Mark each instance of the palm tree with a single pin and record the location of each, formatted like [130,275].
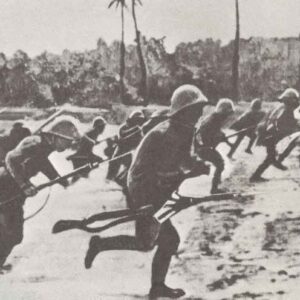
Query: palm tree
[236,56]
[122,47]
[298,82]
[143,83]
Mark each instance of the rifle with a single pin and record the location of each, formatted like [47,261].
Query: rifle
[49,120]
[178,203]
[241,131]
[84,168]
[169,209]
[120,216]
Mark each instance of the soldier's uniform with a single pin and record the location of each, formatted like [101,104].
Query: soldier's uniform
[25,161]
[156,171]
[248,122]
[130,135]
[209,135]
[281,125]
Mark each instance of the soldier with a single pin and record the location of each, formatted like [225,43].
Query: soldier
[280,124]
[247,124]
[16,135]
[22,163]
[209,135]
[84,153]
[159,166]
[130,135]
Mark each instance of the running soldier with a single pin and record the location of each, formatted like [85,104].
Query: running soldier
[279,125]
[162,161]
[84,154]
[130,135]
[22,163]
[208,137]
[247,124]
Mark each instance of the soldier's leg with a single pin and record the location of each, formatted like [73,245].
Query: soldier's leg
[97,245]
[168,242]
[213,156]
[235,145]
[144,240]
[252,138]
[270,159]
[11,229]
[218,162]
[287,151]
[4,245]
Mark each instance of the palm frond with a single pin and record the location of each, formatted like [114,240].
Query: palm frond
[112,3]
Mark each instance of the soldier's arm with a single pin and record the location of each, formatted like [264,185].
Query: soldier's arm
[13,165]
[17,156]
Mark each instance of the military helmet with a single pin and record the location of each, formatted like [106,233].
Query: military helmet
[136,115]
[290,97]
[64,128]
[185,96]
[256,104]
[225,106]
[18,124]
[99,122]
[289,93]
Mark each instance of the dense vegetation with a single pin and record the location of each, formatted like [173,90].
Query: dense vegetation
[91,78]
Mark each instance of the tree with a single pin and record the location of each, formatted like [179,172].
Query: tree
[143,83]
[122,46]
[236,56]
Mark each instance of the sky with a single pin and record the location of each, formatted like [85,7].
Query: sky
[54,25]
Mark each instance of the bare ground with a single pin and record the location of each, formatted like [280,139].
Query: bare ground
[248,248]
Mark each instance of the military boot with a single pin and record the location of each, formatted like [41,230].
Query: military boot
[161,290]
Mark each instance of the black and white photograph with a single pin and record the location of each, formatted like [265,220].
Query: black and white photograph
[149,149]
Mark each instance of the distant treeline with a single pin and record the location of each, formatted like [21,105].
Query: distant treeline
[91,78]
